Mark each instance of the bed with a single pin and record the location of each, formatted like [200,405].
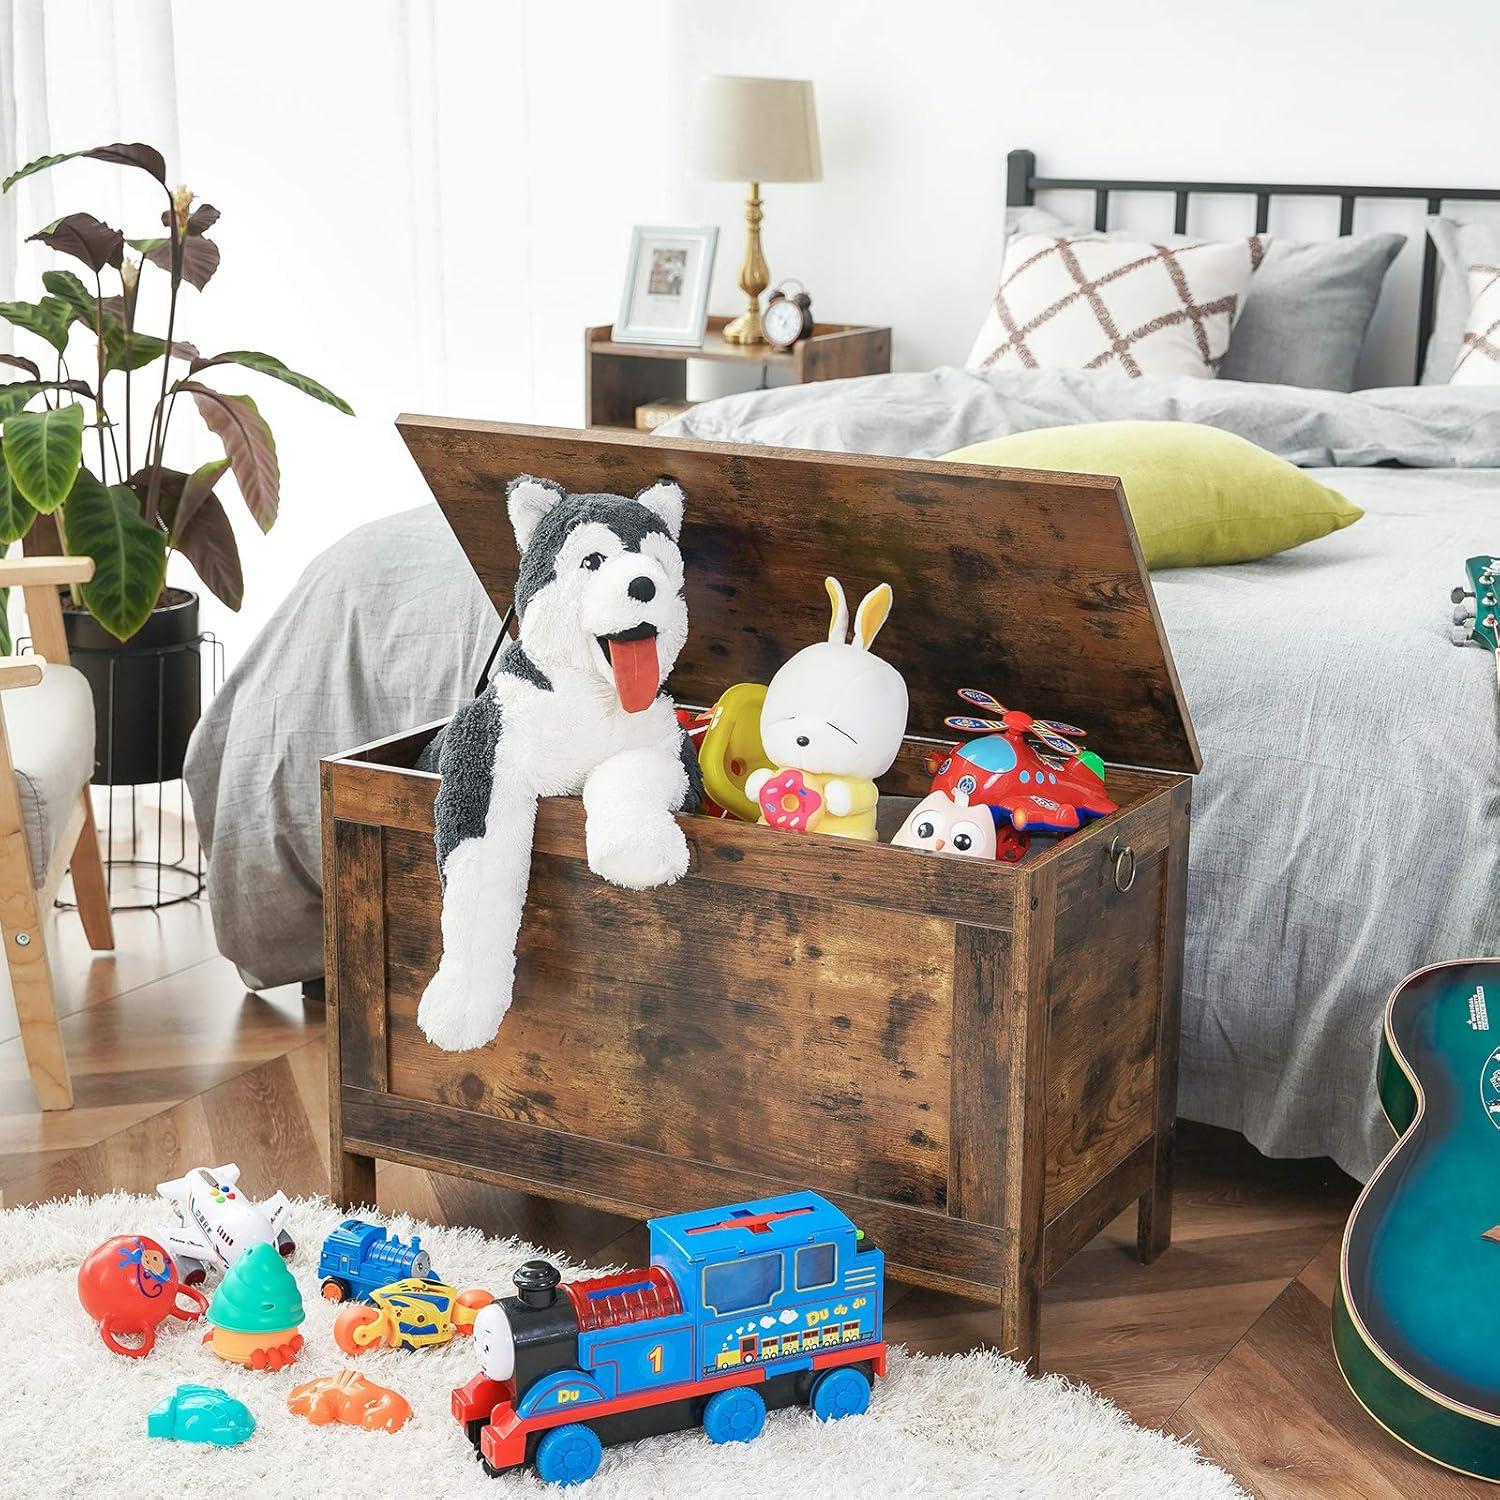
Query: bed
[1347,819]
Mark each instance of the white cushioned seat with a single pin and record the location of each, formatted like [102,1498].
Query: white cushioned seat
[51,731]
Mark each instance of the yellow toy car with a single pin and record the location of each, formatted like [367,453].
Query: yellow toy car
[409,1314]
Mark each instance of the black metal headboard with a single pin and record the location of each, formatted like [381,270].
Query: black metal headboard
[1022,184]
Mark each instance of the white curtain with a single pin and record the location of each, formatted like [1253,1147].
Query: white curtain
[424,204]
[76,73]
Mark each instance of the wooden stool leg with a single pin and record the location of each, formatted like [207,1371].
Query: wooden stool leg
[31,978]
[89,889]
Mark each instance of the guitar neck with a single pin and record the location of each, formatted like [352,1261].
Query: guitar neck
[1477,618]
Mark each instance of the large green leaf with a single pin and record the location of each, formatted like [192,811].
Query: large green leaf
[16,512]
[43,450]
[120,353]
[68,288]
[15,395]
[251,450]
[120,154]
[268,364]
[130,557]
[47,319]
[85,238]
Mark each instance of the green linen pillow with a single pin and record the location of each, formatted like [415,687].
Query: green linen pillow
[1199,496]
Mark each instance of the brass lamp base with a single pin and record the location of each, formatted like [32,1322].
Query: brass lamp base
[755,277]
[745,329]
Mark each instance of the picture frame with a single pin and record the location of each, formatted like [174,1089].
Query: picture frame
[665,299]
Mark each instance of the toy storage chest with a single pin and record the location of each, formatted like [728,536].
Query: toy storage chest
[976,1061]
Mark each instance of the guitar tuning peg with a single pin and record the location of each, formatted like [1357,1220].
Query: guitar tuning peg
[1461,635]
[1463,613]
[1459,594]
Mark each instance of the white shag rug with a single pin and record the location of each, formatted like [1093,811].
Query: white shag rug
[73,1415]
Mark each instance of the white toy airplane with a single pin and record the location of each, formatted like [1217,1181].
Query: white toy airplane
[216,1222]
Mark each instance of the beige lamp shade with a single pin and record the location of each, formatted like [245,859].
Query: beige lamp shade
[757,130]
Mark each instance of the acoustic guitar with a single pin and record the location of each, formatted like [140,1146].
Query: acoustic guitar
[1416,1313]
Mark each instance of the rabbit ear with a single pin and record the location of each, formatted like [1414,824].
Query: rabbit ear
[873,610]
[838,626]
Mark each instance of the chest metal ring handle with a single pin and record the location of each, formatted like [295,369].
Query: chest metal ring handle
[1124,857]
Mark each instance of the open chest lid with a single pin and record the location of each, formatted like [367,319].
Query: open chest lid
[1028,585]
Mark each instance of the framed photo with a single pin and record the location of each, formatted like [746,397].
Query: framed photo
[666,287]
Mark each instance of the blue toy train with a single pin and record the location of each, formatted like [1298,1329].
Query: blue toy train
[358,1258]
[755,1306]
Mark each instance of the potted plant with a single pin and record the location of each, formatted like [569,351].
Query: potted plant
[85,468]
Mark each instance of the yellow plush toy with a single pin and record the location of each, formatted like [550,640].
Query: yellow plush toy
[731,751]
[833,721]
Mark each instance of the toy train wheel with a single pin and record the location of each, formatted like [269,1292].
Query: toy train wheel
[568,1455]
[475,1430]
[734,1416]
[335,1289]
[844,1392]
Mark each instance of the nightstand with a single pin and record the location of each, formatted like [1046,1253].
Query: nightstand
[620,377]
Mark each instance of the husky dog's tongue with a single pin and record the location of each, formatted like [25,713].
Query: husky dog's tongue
[632,655]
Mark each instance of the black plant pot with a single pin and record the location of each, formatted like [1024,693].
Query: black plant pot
[148,690]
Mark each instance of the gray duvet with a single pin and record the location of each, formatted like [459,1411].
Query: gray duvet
[1346,826]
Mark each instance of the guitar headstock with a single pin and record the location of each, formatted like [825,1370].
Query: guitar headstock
[1476,614]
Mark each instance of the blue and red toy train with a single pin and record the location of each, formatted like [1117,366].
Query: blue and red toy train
[744,1309]
[358,1258]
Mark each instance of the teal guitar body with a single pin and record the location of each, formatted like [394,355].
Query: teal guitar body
[1416,1314]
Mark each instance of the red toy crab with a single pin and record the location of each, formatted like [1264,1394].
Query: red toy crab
[1028,772]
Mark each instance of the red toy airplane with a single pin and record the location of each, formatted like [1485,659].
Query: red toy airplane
[1026,772]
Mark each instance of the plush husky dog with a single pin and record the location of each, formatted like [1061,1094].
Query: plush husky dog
[575,706]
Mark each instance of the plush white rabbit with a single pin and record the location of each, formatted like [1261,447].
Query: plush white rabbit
[833,720]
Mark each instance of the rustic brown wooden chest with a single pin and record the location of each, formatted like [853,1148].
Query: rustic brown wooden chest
[976,1061]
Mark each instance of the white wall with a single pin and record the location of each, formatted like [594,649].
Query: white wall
[920,103]
[425,201]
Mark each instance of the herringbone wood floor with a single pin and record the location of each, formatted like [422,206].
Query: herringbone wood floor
[1224,1341]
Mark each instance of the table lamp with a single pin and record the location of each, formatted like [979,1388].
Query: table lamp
[756,130]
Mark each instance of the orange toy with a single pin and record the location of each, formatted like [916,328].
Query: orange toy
[349,1398]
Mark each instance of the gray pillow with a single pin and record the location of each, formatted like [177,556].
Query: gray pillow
[1459,246]
[1307,310]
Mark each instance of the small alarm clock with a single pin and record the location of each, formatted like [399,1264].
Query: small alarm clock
[788,316]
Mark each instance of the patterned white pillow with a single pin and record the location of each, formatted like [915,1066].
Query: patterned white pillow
[1478,361]
[1092,302]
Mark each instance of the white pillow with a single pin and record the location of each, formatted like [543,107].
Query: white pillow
[1478,361]
[1091,302]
